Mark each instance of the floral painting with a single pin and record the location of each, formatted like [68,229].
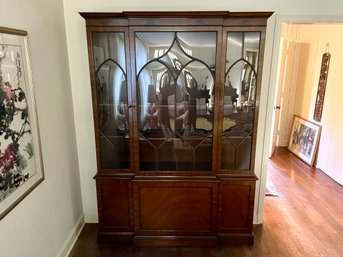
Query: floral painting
[19,171]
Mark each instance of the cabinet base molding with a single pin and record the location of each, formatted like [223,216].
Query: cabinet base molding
[236,239]
[115,237]
[173,241]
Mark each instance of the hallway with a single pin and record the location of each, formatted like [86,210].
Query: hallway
[305,219]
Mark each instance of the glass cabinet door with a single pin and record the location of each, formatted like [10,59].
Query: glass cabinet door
[175,99]
[239,99]
[112,99]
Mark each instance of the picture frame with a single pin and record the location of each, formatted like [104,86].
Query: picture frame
[304,139]
[21,164]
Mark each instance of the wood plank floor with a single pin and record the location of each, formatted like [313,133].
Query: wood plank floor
[305,219]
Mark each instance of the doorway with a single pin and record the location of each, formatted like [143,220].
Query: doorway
[302,47]
[301,100]
[287,80]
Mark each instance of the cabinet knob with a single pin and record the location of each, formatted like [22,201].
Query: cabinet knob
[131,106]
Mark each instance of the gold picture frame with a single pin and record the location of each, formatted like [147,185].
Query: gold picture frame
[21,166]
[304,139]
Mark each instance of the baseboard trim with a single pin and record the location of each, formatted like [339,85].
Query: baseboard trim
[91,218]
[72,237]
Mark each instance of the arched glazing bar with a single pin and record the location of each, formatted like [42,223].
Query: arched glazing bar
[175,106]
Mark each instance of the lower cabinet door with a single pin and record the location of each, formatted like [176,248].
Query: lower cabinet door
[115,201]
[175,208]
[236,206]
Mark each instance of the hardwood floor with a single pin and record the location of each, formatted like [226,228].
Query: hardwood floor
[305,219]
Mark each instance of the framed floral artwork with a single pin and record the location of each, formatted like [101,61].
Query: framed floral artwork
[21,167]
[304,139]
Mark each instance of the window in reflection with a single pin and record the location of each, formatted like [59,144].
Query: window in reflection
[239,98]
[175,96]
[111,93]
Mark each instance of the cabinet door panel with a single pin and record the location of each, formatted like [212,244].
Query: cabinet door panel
[114,201]
[175,99]
[236,205]
[111,94]
[175,208]
[239,99]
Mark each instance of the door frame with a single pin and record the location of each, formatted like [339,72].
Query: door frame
[286,75]
[268,95]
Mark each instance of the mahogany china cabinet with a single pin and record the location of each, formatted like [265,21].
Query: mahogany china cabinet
[176,101]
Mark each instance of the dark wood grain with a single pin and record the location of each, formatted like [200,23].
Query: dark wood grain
[186,18]
[115,201]
[172,208]
[306,220]
[186,14]
[167,206]
[236,206]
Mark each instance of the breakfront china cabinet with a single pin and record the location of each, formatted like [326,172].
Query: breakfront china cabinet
[175,101]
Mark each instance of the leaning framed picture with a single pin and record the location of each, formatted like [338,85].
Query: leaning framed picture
[21,166]
[304,139]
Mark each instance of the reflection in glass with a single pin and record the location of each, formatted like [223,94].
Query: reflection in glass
[175,82]
[239,99]
[111,93]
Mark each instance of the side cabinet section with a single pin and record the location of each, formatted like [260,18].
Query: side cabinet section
[115,205]
[236,210]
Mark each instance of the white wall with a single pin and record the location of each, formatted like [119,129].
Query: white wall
[76,37]
[314,44]
[39,225]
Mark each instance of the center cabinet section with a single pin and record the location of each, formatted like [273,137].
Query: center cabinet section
[178,207]
[175,104]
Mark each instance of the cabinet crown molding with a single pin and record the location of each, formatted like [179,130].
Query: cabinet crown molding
[185,14]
